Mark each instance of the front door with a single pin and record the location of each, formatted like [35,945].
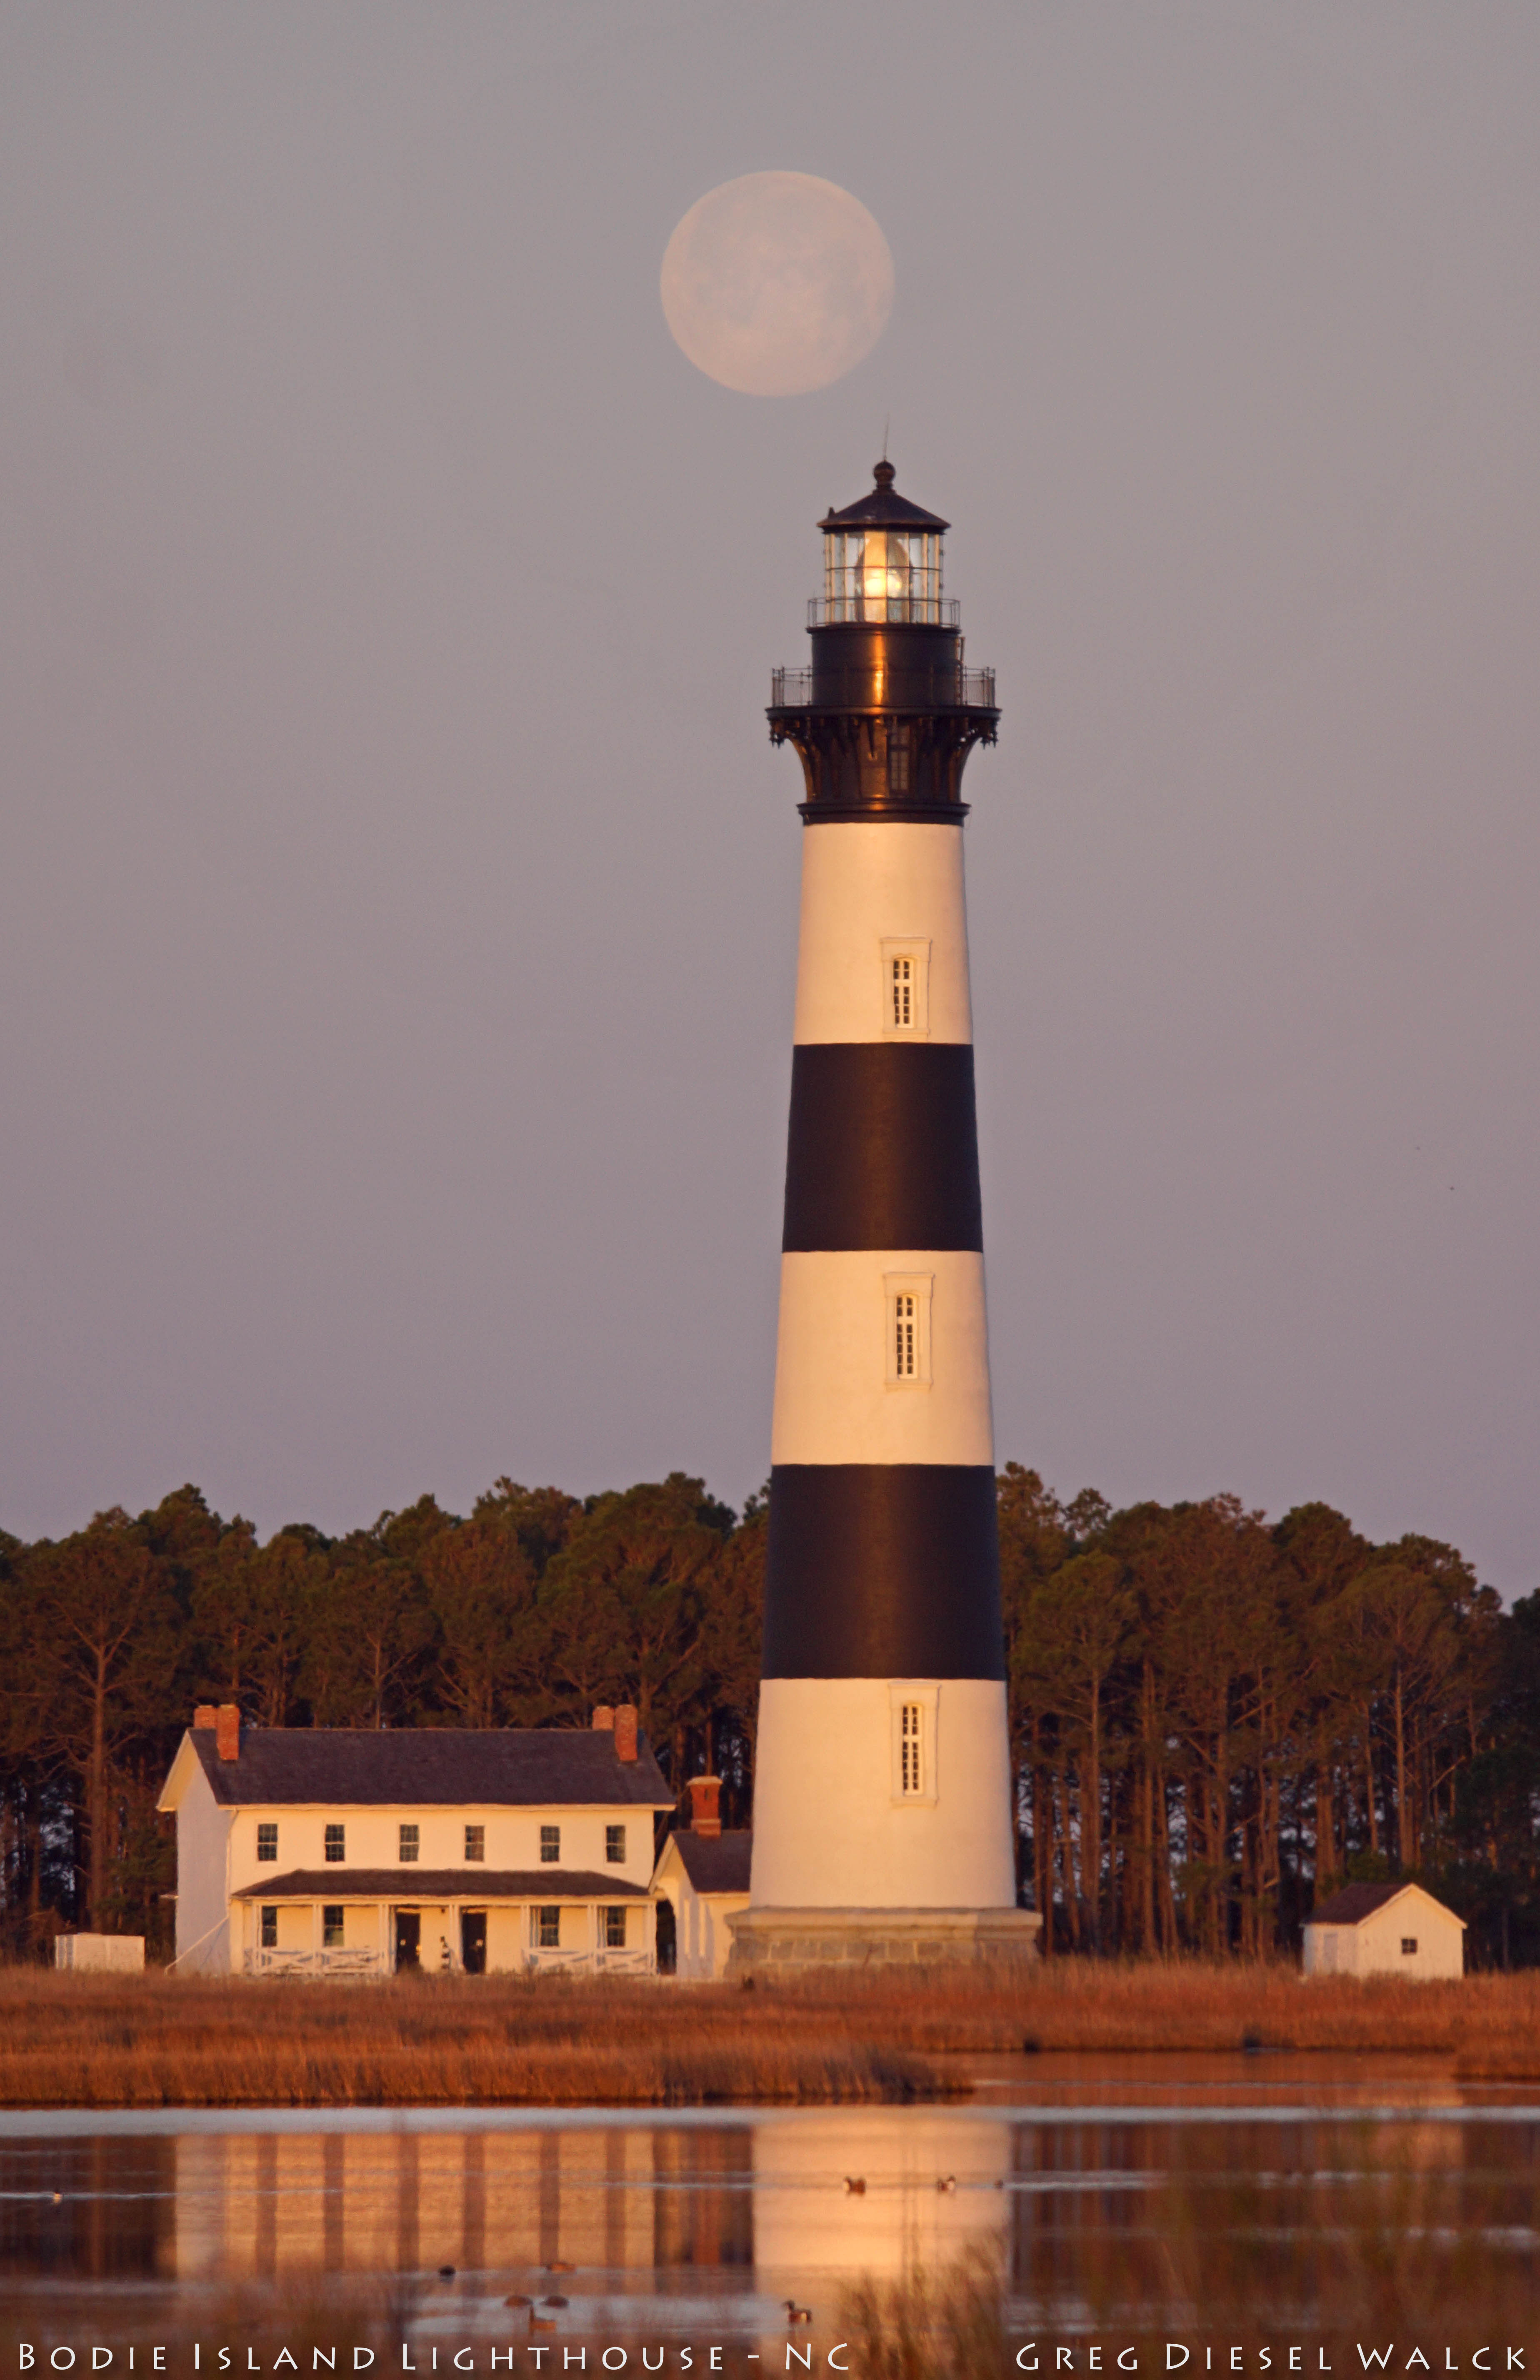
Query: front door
[473,1941]
[409,1940]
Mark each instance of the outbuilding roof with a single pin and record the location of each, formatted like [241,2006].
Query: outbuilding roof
[715,1863]
[425,1766]
[415,1884]
[1356,1901]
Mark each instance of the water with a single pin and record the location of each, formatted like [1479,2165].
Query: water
[700,2225]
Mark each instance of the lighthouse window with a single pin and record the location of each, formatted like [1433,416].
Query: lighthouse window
[914,1704]
[908,1309]
[911,1749]
[898,762]
[905,985]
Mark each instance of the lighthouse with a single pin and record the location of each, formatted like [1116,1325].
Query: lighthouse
[882,1826]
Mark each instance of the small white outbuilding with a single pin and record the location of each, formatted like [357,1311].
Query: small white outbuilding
[1385,1929]
[100,1954]
[703,1874]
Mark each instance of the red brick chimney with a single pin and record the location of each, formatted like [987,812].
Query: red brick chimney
[228,1730]
[625,1731]
[706,1805]
[204,1715]
[603,1717]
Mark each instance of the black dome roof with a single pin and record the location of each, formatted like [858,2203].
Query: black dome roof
[884,508]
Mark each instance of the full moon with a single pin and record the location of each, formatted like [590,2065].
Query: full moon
[777,283]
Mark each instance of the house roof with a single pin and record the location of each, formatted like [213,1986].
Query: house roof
[1356,1901]
[528,1767]
[715,1863]
[413,1884]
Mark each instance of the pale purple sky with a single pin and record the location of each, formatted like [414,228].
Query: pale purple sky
[398,890]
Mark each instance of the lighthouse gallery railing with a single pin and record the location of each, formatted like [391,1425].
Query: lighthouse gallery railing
[791,689]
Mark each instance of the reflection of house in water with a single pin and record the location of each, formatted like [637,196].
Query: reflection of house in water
[621,2198]
[704,2207]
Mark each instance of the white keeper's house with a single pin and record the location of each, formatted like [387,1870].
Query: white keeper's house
[347,1850]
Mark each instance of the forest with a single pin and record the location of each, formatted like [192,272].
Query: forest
[1215,1719]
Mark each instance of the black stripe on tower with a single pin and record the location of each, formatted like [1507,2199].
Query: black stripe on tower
[884,1146]
[882,1570]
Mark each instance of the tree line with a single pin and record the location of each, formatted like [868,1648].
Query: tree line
[1215,1720]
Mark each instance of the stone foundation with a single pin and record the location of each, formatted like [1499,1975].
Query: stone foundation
[783,1941]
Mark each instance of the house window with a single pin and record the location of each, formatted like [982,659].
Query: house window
[545,1928]
[908,1305]
[336,1842]
[614,1846]
[1409,1945]
[331,1927]
[906,989]
[550,1845]
[267,1839]
[269,1929]
[911,1749]
[614,1929]
[410,1842]
[898,761]
[475,1842]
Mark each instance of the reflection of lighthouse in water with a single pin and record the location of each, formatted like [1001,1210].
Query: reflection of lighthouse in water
[931,2187]
[883,1790]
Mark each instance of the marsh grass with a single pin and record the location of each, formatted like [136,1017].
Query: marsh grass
[165,2041]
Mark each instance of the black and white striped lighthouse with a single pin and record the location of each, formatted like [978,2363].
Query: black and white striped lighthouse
[882,1824]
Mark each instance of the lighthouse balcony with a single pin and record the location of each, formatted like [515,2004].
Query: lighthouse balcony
[960,689]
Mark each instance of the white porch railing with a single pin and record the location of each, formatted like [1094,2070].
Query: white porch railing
[591,1962]
[351,1965]
[327,1963]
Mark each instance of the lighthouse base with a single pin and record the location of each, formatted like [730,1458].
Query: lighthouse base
[786,1941]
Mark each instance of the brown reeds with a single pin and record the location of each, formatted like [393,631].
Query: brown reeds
[165,2041]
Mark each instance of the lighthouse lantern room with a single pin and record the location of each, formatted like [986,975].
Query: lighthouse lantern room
[884,1827]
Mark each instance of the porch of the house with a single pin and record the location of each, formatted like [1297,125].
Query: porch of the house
[375,1926]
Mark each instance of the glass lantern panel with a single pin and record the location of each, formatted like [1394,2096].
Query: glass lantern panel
[884,574]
